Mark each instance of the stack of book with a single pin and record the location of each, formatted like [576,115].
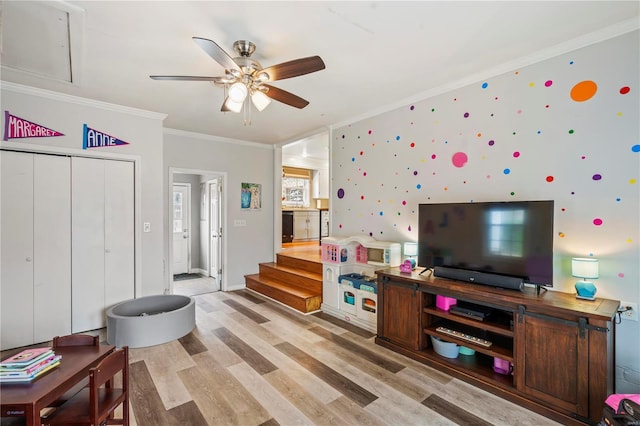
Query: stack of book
[28,365]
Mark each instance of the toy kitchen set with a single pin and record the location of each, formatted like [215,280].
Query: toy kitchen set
[349,287]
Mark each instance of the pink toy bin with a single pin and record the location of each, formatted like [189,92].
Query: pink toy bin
[445,303]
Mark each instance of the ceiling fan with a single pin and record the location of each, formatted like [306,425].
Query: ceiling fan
[245,78]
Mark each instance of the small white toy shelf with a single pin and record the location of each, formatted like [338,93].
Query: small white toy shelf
[349,289]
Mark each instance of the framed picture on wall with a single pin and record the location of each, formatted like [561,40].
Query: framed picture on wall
[251,196]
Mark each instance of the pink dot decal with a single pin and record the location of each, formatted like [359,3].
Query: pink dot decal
[597,221]
[620,274]
[433,156]
[459,159]
[404,203]
[516,154]
[466,115]
[370,132]
[548,83]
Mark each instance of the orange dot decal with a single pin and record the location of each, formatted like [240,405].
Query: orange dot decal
[584,91]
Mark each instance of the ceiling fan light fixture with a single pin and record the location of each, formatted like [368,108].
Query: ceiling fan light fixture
[231,105]
[238,92]
[260,100]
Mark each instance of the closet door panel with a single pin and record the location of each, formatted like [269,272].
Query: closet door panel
[87,242]
[16,264]
[119,232]
[52,246]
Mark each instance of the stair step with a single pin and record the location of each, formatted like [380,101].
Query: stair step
[301,299]
[284,259]
[293,277]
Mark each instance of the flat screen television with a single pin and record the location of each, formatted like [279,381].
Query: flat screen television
[490,239]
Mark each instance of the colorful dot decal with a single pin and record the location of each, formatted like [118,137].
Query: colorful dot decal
[340,193]
[459,159]
[549,178]
[584,91]
[596,177]
[597,221]
[625,90]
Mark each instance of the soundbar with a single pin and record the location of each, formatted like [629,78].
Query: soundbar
[501,281]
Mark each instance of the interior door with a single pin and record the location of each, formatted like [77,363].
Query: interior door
[181,232]
[16,271]
[215,230]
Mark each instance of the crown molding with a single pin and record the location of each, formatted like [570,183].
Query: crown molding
[62,97]
[624,27]
[212,138]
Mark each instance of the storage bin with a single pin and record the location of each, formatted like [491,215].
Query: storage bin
[446,349]
[444,303]
[466,351]
[502,366]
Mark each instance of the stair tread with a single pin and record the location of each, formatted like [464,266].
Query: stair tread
[288,288]
[295,271]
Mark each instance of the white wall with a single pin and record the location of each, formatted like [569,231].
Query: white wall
[244,247]
[525,138]
[141,129]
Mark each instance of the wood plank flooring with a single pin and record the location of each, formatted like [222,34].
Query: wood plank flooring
[251,361]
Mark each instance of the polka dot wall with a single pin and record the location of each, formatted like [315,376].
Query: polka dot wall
[564,129]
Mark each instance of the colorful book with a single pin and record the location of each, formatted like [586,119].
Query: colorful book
[26,358]
[27,379]
[31,370]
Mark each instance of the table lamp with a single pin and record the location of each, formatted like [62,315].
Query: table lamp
[585,267]
[410,251]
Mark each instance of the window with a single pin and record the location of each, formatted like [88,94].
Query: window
[506,232]
[296,187]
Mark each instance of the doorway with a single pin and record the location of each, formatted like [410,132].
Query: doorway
[196,226]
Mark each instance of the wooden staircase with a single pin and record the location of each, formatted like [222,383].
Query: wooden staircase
[291,280]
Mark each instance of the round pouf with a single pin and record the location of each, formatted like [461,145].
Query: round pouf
[150,320]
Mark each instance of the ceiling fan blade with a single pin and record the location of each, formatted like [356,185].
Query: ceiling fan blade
[217,53]
[285,97]
[183,78]
[294,68]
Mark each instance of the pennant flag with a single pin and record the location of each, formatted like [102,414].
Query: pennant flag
[17,128]
[94,139]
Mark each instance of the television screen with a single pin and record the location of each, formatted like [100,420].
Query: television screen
[505,238]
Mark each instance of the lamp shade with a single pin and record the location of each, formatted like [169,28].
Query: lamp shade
[231,105]
[584,267]
[410,249]
[238,92]
[260,100]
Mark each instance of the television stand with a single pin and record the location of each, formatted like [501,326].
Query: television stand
[531,331]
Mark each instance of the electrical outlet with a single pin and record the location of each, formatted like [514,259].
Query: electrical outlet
[631,314]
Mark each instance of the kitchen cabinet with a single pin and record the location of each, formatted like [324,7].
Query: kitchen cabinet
[306,225]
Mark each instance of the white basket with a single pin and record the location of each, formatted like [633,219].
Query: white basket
[446,349]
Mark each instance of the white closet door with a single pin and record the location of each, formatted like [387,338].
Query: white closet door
[52,246]
[87,242]
[119,232]
[16,275]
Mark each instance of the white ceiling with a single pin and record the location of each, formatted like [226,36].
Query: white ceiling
[377,54]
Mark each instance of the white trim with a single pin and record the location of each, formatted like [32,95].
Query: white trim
[188,219]
[607,33]
[194,135]
[49,94]
[222,281]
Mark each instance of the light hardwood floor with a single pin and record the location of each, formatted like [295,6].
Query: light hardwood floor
[250,361]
